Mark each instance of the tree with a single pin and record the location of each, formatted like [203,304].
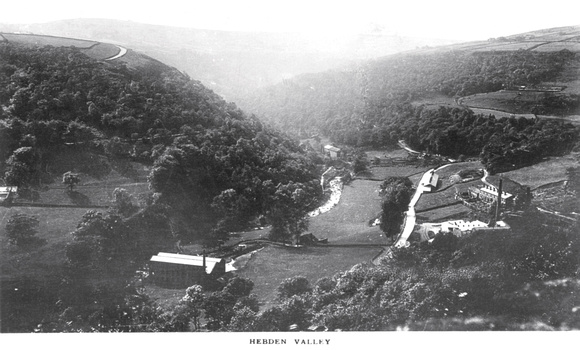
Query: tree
[122,201]
[70,179]
[21,229]
[194,300]
[293,286]
[239,287]
[21,167]
[288,206]
[396,202]
[360,163]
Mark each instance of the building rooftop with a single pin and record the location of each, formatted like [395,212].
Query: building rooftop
[190,260]
[7,189]
[504,195]
[331,148]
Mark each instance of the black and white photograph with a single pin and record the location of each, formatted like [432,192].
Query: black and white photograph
[289,173]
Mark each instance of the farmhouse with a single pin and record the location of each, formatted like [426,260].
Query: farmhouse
[179,270]
[332,152]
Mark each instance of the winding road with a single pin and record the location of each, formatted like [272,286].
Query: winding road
[122,52]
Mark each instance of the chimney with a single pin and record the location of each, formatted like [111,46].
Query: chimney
[203,260]
[498,206]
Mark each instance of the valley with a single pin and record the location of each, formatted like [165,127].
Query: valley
[457,205]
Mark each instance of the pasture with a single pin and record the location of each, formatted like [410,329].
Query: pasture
[42,40]
[519,102]
[269,267]
[55,227]
[549,171]
[348,221]
[557,46]
[456,211]
[102,51]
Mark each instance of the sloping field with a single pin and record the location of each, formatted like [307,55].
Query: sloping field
[509,46]
[135,59]
[41,40]
[87,195]
[557,46]
[549,171]
[102,51]
[456,211]
[504,100]
[501,114]
[505,103]
[269,267]
[55,227]
[431,200]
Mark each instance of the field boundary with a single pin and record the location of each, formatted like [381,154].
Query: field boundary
[48,205]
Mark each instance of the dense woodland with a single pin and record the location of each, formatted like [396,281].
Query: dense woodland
[378,103]
[208,157]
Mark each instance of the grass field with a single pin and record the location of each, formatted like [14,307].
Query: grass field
[348,221]
[55,227]
[574,47]
[457,211]
[504,100]
[543,173]
[509,46]
[272,265]
[42,40]
[102,51]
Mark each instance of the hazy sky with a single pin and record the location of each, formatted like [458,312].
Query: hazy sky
[448,19]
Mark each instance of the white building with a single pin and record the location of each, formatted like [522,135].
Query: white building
[332,152]
[428,231]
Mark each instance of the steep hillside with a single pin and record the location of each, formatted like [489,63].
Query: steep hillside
[380,101]
[232,63]
[58,101]
[107,114]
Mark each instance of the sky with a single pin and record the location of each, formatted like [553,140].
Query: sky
[445,19]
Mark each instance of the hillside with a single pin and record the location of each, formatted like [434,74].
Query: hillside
[378,102]
[232,63]
[181,164]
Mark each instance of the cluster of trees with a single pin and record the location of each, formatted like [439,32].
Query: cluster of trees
[378,103]
[500,142]
[396,192]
